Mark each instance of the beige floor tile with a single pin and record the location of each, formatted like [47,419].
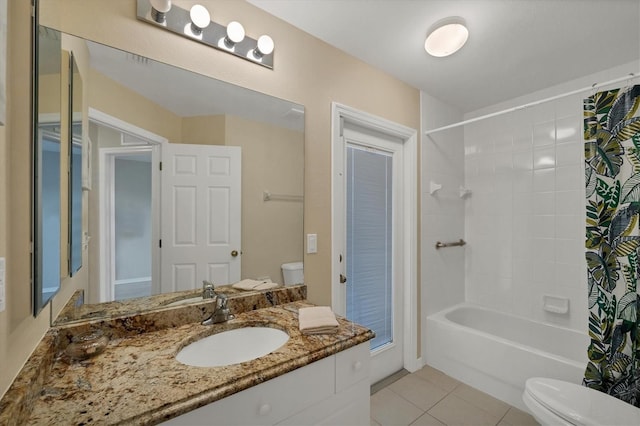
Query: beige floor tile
[417,391]
[427,420]
[438,378]
[388,408]
[515,417]
[372,422]
[453,410]
[482,400]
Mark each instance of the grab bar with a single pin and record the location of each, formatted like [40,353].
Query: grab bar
[440,245]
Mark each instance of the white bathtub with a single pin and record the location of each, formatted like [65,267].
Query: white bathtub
[497,352]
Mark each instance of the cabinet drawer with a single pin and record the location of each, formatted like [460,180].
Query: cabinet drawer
[352,366]
[268,402]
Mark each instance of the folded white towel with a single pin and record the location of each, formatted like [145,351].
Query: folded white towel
[249,284]
[317,320]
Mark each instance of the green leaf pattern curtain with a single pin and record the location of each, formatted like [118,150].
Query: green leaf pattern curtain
[612,177]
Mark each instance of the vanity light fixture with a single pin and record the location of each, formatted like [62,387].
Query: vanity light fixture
[159,9]
[196,24]
[446,37]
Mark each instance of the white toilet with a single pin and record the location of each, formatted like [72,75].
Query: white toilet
[554,402]
[293,273]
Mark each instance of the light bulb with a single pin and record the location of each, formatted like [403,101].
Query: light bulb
[265,45]
[162,6]
[159,9]
[235,32]
[200,17]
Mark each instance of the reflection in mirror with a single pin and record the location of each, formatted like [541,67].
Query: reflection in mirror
[212,225]
[75,161]
[46,199]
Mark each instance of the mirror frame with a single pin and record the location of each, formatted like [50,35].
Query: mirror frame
[37,273]
[75,206]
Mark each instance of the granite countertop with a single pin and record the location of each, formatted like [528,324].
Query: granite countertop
[137,379]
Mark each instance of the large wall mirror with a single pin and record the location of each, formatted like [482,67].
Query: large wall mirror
[225,204]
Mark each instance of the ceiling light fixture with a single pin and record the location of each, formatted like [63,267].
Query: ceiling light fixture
[446,37]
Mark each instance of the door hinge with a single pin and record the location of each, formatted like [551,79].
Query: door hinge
[160,165]
[160,243]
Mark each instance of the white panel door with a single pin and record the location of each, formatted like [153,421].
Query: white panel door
[372,290]
[201,197]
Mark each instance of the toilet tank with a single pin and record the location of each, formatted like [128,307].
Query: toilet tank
[293,273]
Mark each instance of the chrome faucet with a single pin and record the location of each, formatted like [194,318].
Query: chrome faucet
[208,290]
[221,312]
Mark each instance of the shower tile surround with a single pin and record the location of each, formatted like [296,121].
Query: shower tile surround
[139,362]
[524,220]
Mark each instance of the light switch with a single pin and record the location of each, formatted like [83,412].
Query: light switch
[312,243]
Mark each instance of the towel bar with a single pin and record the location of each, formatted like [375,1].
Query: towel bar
[440,245]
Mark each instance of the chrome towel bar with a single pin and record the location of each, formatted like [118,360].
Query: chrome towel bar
[440,245]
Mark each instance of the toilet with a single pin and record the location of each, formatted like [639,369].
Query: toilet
[293,273]
[555,402]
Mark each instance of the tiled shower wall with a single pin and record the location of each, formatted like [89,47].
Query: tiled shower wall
[524,220]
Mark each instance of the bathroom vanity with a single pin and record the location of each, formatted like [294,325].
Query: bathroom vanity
[137,379]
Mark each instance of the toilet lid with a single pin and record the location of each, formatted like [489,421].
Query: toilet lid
[580,405]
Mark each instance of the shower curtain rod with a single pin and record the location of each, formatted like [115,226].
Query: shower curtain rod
[629,76]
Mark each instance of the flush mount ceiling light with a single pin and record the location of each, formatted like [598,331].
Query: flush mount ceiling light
[195,24]
[446,37]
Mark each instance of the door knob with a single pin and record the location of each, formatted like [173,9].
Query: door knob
[234,253]
[343,279]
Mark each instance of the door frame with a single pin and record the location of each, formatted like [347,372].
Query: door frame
[152,143]
[339,115]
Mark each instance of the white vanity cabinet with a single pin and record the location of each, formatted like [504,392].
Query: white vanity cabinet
[331,391]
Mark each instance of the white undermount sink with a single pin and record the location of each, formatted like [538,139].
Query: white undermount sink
[232,347]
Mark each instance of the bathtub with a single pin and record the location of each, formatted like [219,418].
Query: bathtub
[497,352]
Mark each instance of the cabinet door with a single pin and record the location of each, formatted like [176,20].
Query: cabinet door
[349,407]
[269,402]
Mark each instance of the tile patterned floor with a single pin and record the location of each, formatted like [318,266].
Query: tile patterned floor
[429,397]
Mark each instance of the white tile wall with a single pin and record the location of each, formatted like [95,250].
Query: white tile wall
[443,162]
[524,221]
[534,247]
[526,214]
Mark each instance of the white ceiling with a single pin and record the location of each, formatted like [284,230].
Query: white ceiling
[188,94]
[515,47]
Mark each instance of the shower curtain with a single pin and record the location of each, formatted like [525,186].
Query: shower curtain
[612,177]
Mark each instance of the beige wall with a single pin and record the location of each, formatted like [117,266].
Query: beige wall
[107,96]
[307,71]
[271,160]
[203,130]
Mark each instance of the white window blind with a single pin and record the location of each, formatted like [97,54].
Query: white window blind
[369,241]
